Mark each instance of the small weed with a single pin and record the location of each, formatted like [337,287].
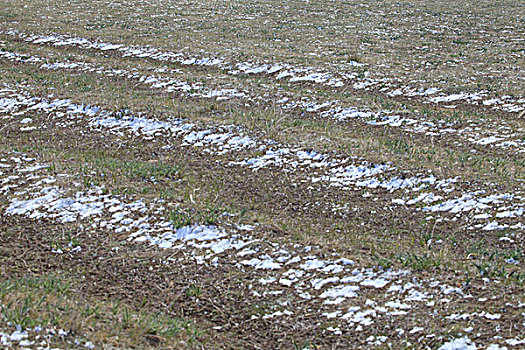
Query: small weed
[125,317]
[259,309]
[419,263]
[193,291]
[209,216]
[179,219]
[88,311]
[384,263]
[115,307]
[307,345]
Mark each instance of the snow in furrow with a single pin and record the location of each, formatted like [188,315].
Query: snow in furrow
[490,135]
[420,192]
[337,287]
[282,71]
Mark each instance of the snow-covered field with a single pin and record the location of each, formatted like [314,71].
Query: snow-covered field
[357,205]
